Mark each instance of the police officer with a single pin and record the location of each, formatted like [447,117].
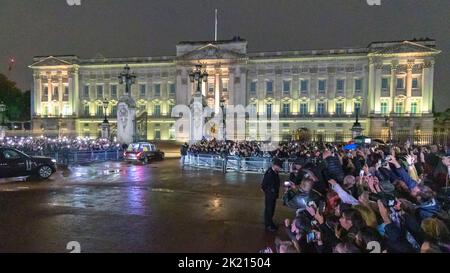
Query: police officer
[183,151]
[271,188]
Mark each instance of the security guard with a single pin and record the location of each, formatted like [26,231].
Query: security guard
[271,188]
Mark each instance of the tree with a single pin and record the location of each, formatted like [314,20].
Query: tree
[17,102]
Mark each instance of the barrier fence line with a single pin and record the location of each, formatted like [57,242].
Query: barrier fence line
[234,163]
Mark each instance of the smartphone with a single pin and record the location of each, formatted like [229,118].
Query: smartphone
[312,204]
[361,173]
[287,183]
[310,237]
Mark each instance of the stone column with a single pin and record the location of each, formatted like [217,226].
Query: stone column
[427,87]
[393,86]
[377,87]
[37,93]
[409,67]
[74,96]
[217,90]
[371,90]
[241,94]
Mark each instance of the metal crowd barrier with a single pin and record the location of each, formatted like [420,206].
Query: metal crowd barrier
[234,163]
[81,157]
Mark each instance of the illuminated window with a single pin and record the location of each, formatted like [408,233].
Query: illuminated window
[86,110]
[321,108]
[269,110]
[303,108]
[340,85]
[99,112]
[225,85]
[55,94]
[413,107]
[286,109]
[339,108]
[398,107]
[157,110]
[211,87]
[384,108]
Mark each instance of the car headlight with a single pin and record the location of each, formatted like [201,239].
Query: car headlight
[53,160]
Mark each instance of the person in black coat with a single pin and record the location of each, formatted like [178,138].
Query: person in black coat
[271,188]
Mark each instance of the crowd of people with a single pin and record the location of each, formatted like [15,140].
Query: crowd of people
[46,146]
[378,198]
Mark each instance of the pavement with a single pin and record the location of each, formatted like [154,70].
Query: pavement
[119,207]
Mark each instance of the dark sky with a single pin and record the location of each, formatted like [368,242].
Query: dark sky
[116,28]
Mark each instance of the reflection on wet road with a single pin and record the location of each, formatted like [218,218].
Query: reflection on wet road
[118,207]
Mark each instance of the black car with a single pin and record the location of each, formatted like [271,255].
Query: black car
[14,163]
[142,152]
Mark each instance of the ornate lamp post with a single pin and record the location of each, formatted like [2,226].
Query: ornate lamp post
[105,124]
[126,114]
[222,106]
[197,103]
[127,78]
[2,125]
[197,75]
[356,128]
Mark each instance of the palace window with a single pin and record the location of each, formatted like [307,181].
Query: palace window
[321,108]
[304,86]
[384,108]
[286,109]
[322,86]
[157,90]
[99,112]
[398,107]
[142,90]
[114,111]
[269,87]
[99,92]
[339,108]
[66,93]
[253,87]
[413,107]
[415,83]
[385,84]
[357,105]
[340,85]
[269,110]
[303,108]
[172,88]
[157,110]
[86,110]
[86,91]
[286,87]
[358,85]
[225,85]
[114,91]
[400,83]
[55,94]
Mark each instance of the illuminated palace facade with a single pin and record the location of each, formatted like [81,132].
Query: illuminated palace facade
[391,82]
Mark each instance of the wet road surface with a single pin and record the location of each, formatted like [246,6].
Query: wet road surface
[118,207]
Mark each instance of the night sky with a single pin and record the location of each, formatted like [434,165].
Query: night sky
[120,28]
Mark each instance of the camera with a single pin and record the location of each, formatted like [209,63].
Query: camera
[388,200]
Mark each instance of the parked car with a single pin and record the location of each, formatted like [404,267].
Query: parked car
[14,163]
[142,152]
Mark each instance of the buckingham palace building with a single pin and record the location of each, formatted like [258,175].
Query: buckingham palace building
[313,90]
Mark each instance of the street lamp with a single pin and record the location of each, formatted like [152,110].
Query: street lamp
[105,107]
[127,78]
[356,128]
[222,106]
[197,75]
[3,111]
